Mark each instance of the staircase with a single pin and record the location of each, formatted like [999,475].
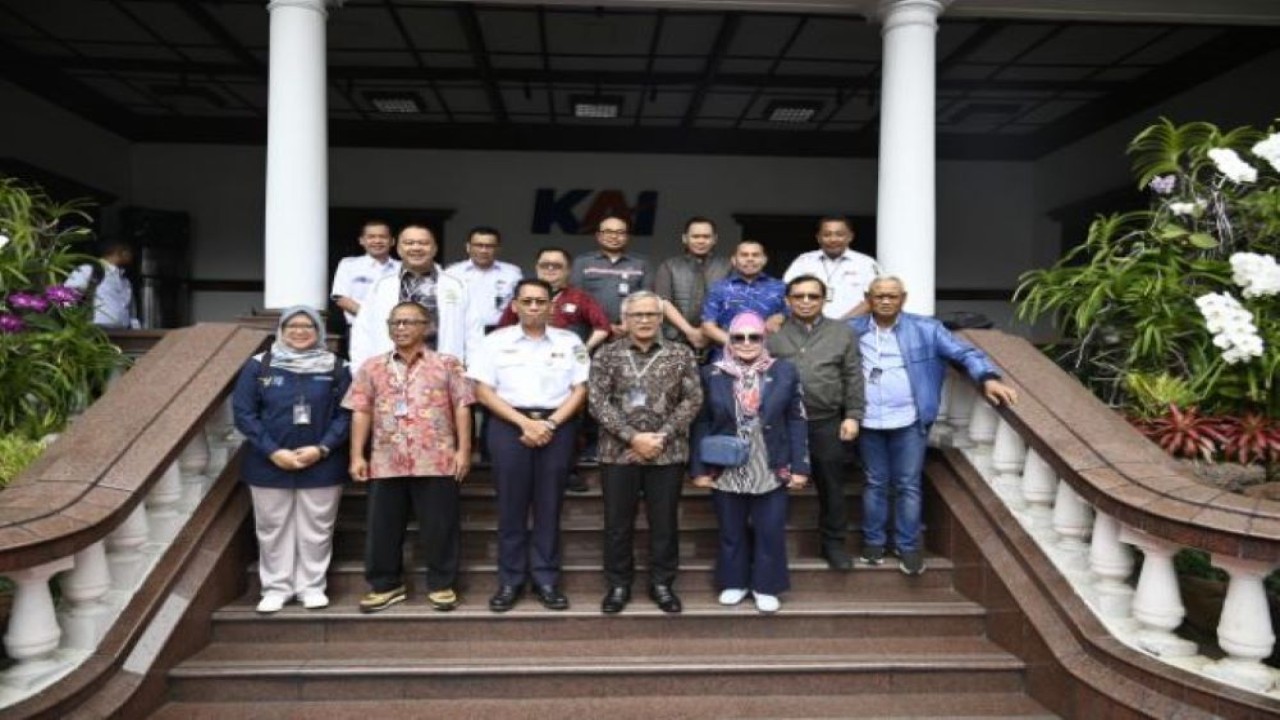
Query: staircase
[867,643]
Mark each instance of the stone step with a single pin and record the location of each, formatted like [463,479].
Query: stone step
[697,574]
[885,612]
[887,706]
[673,666]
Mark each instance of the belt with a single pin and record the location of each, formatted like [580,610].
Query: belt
[536,413]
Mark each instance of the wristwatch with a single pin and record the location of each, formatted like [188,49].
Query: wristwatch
[324,450]
[550,423]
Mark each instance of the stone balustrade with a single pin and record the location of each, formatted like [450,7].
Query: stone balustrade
[1091,496]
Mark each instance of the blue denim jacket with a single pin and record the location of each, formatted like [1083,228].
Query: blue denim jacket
[926,344]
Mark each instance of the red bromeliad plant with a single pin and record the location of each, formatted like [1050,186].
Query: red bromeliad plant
[1186,433]
[1253,438]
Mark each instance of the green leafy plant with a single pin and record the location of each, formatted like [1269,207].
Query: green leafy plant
[1179,303]
[16,453]
[55,360]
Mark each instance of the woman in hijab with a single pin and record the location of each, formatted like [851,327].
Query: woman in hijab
[286,404]
[751,396]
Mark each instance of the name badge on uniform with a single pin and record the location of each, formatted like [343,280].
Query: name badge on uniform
[301,412]
[569,308]
[623,288]
[402,408]
[637,398]
[831,293]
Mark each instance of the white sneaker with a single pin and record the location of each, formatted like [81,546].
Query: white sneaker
[272,603]
[767,603]
[314,600]
[732,596]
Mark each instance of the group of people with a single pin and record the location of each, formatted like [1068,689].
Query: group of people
[705,369]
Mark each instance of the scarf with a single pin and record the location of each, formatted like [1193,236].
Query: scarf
[748,377]
[311,360]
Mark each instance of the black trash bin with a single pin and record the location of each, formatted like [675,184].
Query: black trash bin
[963,320]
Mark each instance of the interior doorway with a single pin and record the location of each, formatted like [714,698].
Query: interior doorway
[787,236]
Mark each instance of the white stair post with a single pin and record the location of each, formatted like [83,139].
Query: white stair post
[1157,602]
[193,462]
[124,551]
[1008,454]
[1072,521]
[163,514]
[84,619]
[33,634]
[982,433]
[1039,488]
[1244,630]
[1112,563]
[960,399]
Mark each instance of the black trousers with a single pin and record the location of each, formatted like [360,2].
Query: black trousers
[830,469]
[435,503]
[530,485]
[623,487]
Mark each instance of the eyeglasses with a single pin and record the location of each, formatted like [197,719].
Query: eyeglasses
[644,315]
[405,323]
[806,296]
[529,301]
[886,296]
[482,246]
[613,231]
[550,266]
[299,326]
[744,338]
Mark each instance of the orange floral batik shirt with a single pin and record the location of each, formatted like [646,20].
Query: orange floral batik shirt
[412,407]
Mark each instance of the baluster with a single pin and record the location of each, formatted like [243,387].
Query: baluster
[217,430]
[1244,630]
[1039,488]
[33,633]
[1072,521]
[1157,602]
[982,432]
[940,433]
[960,402]
[84,587]
[124,551]
[193,462]
[1112,563]
[163,516]
[1008,453]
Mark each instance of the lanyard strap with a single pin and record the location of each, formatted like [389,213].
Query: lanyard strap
[638,372]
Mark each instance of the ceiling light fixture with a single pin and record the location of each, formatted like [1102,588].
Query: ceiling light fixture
[792,111]
[596,107]
[394,103]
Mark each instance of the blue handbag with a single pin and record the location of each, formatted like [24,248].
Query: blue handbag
[723,450]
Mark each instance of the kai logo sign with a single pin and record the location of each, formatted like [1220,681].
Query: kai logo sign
[579,212]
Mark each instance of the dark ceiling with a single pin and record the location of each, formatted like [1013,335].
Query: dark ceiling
[503,77]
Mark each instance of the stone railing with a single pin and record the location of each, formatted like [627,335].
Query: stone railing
[1089,489]
[106,499]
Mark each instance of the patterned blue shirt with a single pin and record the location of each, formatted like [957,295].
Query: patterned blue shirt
[763,295]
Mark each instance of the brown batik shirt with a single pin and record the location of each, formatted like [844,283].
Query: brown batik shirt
[633,391]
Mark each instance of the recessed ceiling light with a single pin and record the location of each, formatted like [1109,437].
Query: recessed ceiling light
[399,103]
[597,107]
[791,111]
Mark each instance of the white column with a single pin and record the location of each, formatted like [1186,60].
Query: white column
[940,433]
[84,616]
[1112,561]
[1157,602]
[982,433]
[1039,488]
[905,225]
[961,397]
[124,550]
[163,516]
[1072,521]
[193,463]
[33,633]
[297,218]
[1008,453]
[1244,630]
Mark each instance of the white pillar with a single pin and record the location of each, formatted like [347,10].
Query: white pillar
[905,212]
[1072,521]
[193,463]
[1244,630]
[982,433]
[940,433]
[1008,453]
[1112,562]
[124,550]
[1039,488]
[84,616]
[163,518]
[961,398]
[297,218]
[33,633]
[1157,602]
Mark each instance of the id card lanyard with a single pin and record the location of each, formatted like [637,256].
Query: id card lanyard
[403,379]
[636,396]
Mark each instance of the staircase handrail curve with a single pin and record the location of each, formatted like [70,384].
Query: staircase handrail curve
[97,471]
[1118,470]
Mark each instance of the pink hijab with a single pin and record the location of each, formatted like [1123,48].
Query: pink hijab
[747,385]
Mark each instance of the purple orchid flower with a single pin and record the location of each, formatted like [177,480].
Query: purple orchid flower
[10,324]
[61,295]
[1163,184]
[28,301]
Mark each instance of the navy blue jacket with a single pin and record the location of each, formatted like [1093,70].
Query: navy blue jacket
[786,431]
[264,414]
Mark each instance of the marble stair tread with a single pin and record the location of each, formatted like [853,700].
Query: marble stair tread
[601,655]
[887,706]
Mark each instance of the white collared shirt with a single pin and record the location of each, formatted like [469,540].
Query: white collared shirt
[457,334]
[531,372]
[113,298]
[847,277]
[356,275]
[490,289]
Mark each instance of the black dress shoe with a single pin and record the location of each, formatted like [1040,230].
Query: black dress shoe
[667,600]
[837,558]
[505,598]
[615,600]
[551,597]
